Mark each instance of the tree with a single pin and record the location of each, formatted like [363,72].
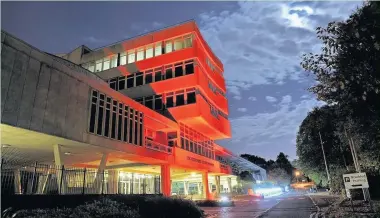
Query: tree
[348,75]
[283,162]
[279,176]
[259,161]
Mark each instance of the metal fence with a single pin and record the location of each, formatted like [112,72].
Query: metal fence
[47,179]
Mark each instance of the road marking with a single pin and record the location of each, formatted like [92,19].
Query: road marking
[301,198]
[265,211]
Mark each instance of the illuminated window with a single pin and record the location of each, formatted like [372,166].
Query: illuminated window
[178,44]
[99,65]
[158,49]
[140,54]
[149,52]
[168,47]
[123,58]
[91,66]
[113,61]
[188,42]
[106,63]
[131,56]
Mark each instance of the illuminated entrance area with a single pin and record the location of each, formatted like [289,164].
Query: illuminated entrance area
[137,183]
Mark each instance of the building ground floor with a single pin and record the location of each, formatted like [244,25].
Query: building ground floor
[36,163]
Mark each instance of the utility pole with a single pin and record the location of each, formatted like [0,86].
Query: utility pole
[324,157]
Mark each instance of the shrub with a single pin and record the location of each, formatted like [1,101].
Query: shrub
[99,208]
[213,203]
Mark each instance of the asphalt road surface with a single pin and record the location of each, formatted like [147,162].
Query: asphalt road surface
[292,205]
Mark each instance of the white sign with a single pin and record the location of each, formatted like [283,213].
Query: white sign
[355,180]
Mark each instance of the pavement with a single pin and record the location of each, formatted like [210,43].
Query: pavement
[287,205]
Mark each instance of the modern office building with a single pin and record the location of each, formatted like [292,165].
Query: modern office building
[145,112]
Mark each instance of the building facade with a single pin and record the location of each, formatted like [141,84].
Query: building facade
[145,112]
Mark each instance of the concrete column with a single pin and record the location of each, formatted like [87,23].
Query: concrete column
[186,189]
[98,182]
[206,189]
[113,181]
[229,185]
[58,159]
[165,180]
[199,188]
[17,181]
[217,182]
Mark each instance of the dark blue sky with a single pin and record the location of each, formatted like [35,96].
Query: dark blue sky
[259,43]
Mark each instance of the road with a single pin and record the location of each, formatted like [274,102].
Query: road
[292,205]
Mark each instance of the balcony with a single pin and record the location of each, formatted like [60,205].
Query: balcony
[201,117]
[150,144]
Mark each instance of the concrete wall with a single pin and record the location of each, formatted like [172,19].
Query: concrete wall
[38,91]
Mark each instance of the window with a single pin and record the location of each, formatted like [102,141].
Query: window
[149,52]
[140,54]
[139,79]
[123,58]
[169,102]
[191,97]
[100,115]
[178,44]
[130,81]
[158,49]
[113,84]
[149,102]
[121,83]
[106,63]
[91,66]
[168,47]
[98,65]
[126,121]
[180,99]
[114,121]
[94,100]
[148,77]
[158,76]
[189,68]
[131,128]
[168,72]
[188,42]
[131,56]
[107,118]
[158,102]
[113,61]
[178,70]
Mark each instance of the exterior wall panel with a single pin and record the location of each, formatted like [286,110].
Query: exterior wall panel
[8,56]
[52,103]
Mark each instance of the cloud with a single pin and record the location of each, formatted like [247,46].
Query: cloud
[278,128]
[261,42]
[270,99]
[242,109]
[237,97]
[252,98]
[92,39]
[158,25]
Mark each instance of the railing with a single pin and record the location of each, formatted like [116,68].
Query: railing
[157,146]
[56,180]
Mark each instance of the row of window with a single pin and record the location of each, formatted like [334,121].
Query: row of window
[215,89]
[196,142]
[145,52]
[172,99]
[214,111]
[150,76]
[112,119]
[210,65]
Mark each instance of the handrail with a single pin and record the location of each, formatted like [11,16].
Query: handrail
[158,146]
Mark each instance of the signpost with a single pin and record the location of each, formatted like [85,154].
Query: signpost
[355,180]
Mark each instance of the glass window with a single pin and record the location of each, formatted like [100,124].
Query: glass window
[139,79]
[149,52]
[131,57]
[168,47]
[85,66]
[140,54]
[149,102]
[178,71]
[158,76]
[158,102]
[98,66]
[113,83]
[188,42]
[178,44]
[148,77]
[121,83]
[191,97]
[189,68]
[170,102]
[130,81]
[158,49]
[91,67]
[168,72]
[180,99]
[113,61]
[123,58]
[106,64]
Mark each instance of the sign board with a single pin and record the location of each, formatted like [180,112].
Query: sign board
[355,180]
